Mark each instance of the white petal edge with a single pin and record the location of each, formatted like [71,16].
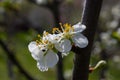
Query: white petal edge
[54,38]
[41,66]
[80,40]
[64,46]
[51,58]
[32,45]
[79,27]
[37,54]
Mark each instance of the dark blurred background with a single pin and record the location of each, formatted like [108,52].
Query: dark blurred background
[22,20]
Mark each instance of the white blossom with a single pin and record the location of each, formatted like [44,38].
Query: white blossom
[78,38]
[62,45]
[44,50]
[74,33]
[44,56]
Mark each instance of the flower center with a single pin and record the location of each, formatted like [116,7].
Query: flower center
[67,30]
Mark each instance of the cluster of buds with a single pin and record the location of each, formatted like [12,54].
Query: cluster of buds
[45,49]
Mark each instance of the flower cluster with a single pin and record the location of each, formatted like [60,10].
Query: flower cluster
[44,50]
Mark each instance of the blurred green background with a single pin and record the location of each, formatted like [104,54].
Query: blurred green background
[22,20]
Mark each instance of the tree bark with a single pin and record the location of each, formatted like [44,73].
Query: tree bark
[82,57]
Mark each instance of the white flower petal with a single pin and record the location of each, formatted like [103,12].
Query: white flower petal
[79,27]
[41,66]
[54,38]
[51,58]
[64,46]
[37,54]
[80,40]
[48,60]
[32,45]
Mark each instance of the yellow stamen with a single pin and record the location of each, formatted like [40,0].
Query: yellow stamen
[38,36]
[46,41]
[37,42]
[56,30]
[72,28]
[61,27]
[68,27]
[45,33]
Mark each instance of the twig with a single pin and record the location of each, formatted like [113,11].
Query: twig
[60,72]
[14,60]
[82,57]
[10,70]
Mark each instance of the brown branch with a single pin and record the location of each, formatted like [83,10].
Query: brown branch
[82,57]
[10,55]
[10,70]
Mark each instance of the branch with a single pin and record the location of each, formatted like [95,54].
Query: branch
[10,70]
[14,60]
[60,73]
[82,57]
